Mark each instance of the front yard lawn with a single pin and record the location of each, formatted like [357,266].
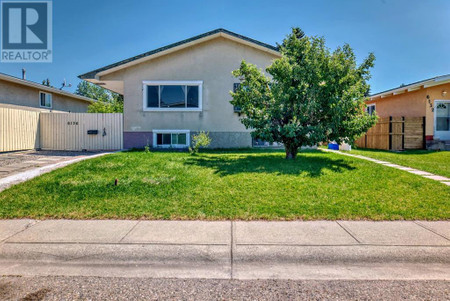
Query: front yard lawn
[248,184]
[432,161]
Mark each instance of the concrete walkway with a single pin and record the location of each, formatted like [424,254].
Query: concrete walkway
[227,250]
[19,167]
[425,174]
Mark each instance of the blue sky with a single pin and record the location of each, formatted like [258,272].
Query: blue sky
[410,38]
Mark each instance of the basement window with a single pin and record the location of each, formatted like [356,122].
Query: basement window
[172,95]
[171,138]
[45,100]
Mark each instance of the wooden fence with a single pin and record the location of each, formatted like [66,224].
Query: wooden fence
[395,133]
[23,129]
[81,131]
[19,129]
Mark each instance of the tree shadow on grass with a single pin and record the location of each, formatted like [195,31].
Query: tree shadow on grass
[312,166]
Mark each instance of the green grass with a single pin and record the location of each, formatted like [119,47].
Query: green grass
[246,184]
[435,162]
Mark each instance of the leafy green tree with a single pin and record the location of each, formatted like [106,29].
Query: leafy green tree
[312,95]
[107,101]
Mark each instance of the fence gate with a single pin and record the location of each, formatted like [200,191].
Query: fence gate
[81,131]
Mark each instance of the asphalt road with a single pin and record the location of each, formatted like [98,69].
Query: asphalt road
[103,288]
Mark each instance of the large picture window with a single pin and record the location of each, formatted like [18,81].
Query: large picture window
[172,96]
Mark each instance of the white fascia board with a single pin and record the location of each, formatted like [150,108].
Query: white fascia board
[414,88]
[399,92]
[437,83]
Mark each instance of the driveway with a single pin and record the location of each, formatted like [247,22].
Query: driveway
[16,167]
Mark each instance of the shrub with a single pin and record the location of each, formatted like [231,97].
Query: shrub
[147,147]
[202,139]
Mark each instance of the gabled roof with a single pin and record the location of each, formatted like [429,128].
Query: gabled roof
[434,81]
[179,45]
[41,87]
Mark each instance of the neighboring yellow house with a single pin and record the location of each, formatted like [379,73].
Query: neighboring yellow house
[428,98]
[25,93]
[175,91]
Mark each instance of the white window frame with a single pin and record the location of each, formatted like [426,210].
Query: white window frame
[46,94]
[374,107]
[188,138]
[198,83]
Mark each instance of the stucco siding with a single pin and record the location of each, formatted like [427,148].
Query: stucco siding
[230,139]
[407,104]
[16,94]
[210,62]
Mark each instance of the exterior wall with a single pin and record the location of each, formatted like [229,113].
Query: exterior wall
[210,62]
[413,104]
[230,139]
[12,93]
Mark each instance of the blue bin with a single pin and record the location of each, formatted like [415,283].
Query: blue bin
[333,146]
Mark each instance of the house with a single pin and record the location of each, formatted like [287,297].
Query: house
[428,98]
[24,93]
[178,90]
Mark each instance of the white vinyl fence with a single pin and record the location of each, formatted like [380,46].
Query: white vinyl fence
[19,129]
[81,131]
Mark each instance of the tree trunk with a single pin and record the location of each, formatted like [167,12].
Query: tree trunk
[291,151]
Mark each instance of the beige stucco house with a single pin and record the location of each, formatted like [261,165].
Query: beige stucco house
[25,93]
[428,98]
[175,91]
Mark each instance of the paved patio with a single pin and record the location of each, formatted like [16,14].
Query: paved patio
[227,249]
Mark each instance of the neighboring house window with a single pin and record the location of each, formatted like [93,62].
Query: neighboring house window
[45,100]
[370,109]
[173,95]
[171,138]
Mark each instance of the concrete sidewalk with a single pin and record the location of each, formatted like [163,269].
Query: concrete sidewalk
[227,250]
